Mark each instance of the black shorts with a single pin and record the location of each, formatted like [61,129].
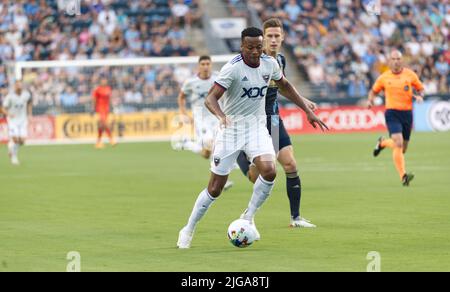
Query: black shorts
[398,121]
[280,137]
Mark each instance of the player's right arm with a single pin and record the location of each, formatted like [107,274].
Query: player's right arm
[212,104]
[5,106]
[182,103]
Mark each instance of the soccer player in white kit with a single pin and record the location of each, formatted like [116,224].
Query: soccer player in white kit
[205,123]
[17,107]
[245,80]
[195,90]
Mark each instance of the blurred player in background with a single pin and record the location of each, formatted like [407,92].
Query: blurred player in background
[273,39]
[205,123]
[17,107]
[102,99]
[196,89]
[397,84]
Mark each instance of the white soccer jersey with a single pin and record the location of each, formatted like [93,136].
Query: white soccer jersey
[244,103]
[197,89]
[246,88]
[16,105]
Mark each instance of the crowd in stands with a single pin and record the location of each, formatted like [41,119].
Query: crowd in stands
[43,30]
[341,47]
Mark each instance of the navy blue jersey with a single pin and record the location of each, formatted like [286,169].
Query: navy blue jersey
[272,91]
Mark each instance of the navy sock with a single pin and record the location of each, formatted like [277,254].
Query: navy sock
[243,163]
[294,192]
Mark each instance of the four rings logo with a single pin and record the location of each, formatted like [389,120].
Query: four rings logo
[439,116]
[254,92]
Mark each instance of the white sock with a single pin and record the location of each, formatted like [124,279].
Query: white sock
[11,147]
[261,191]
[202,205]
[15,149]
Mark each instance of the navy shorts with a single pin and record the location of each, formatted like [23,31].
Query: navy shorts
[280,137]
[398,121]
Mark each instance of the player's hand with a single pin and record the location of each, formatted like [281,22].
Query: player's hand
[315,121]
[224,122]
[370,103]
[418,98]
[311,105]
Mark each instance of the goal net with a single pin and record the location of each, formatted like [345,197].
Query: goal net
[144,95]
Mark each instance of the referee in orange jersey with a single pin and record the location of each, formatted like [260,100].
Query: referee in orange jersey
[397,84]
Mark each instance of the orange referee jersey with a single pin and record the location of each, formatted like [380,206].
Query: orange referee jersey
[398,88]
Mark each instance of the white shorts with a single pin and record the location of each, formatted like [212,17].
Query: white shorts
[18,129]
[205,130]
[227,148]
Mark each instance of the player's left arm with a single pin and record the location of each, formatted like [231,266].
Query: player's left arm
[418,86]
[30,107]
[289,91]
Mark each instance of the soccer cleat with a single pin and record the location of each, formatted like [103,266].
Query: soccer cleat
[15,160]
[113,142]
[257,235]
[378,147]
[228,185]
[300,222]
[184,238]
[407,178]
[99,145]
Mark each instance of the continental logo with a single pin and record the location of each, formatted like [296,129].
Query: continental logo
[126,125]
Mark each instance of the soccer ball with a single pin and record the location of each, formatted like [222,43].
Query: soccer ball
[241,233]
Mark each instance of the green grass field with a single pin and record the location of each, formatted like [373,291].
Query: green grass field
[122,208]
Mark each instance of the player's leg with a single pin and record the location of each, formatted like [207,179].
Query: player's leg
[397,154]
[406,135]
[107,129]
[262,188]
[261,152]
[405,145]
[220,169]
[16,131]
[293,186]
[13,150]
[101,129]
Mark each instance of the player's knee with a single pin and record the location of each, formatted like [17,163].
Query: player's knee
[252,176]
[215,188]
[269,174]
[290,166]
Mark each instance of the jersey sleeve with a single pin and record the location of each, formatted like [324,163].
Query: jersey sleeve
[416,82]
[28,94]
[226,76]
[186,88]
[6,102]
[379,85]
[277,74]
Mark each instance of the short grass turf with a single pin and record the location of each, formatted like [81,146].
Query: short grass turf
[121,209]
